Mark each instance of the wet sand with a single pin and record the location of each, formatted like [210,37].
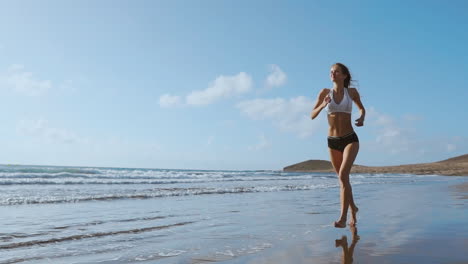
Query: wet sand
[413,225]
[286,219]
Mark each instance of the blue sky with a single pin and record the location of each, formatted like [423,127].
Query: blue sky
[227,84]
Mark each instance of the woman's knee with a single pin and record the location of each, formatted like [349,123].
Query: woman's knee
[344,181]
[343,175]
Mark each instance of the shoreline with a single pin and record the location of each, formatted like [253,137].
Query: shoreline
[401,169]
[281,220]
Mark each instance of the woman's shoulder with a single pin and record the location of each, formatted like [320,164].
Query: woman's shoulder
[353,92]
[325,91]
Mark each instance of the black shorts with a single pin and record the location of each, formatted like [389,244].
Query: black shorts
[339,143]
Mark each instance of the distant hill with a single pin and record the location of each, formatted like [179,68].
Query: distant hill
[459,159]
[456,166]
[318,165]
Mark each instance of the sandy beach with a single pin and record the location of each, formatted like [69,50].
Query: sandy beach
[103,215]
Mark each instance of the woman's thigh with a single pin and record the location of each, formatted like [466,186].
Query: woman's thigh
[349,155]
[336,158]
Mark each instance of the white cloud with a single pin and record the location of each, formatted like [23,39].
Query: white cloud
[23,82]
[262,144]
[451,147]
[167,100]
[41,128]
[399,140]
[222,87]
[384,120]
[291,115]
[389,134]
[276,77]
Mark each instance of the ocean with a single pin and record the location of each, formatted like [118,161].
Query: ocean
[51,214]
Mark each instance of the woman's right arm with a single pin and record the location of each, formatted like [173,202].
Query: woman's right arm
[322,100]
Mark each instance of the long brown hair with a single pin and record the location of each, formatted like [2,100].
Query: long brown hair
[345,70]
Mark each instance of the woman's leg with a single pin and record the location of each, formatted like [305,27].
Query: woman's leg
[349,155]
[336,158]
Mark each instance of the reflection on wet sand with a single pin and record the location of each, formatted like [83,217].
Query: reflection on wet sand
[348,252]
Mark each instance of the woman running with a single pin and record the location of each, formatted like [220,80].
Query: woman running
[343,143]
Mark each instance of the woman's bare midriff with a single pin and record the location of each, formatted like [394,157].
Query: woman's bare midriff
[340,124]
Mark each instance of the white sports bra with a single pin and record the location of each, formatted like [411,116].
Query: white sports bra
[345,106]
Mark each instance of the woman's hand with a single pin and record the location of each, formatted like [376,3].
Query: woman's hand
[322,100]
[325,101]
[359,121]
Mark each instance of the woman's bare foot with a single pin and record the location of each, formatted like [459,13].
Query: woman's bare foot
[340,224]
[353,220]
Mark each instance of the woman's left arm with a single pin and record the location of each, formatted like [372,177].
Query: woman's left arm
[357,100]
